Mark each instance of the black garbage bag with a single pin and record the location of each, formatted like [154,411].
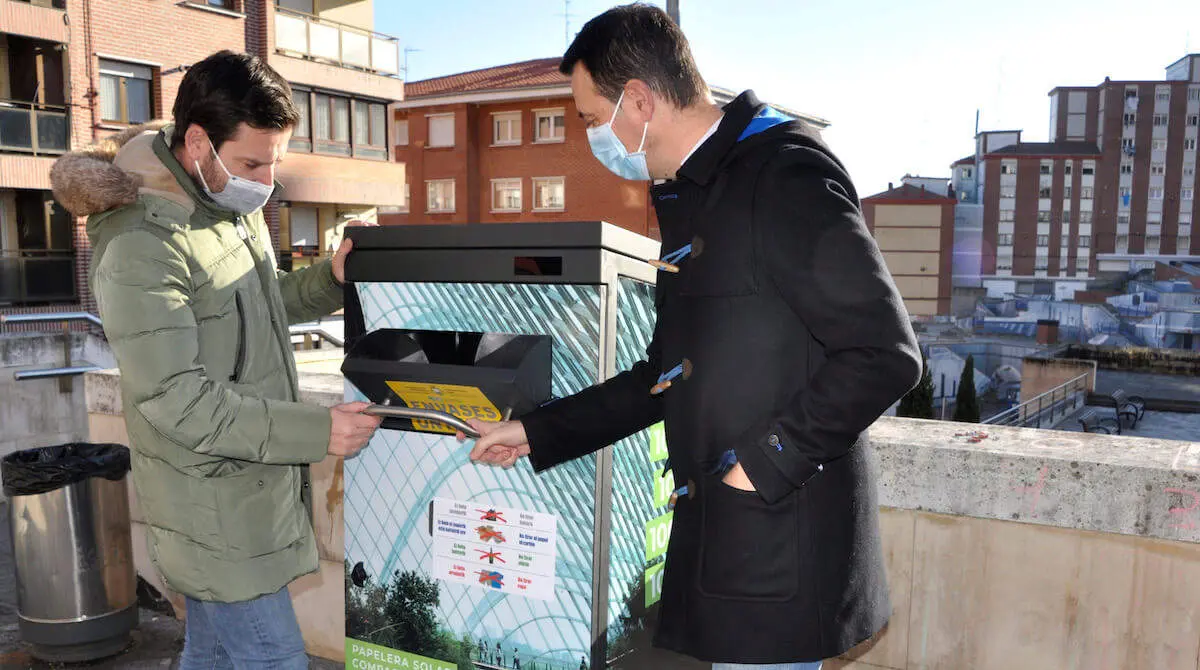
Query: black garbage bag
[45,469]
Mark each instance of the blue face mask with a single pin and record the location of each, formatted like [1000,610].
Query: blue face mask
[611,152]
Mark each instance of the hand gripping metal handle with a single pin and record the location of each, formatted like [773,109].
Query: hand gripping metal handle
[424,415]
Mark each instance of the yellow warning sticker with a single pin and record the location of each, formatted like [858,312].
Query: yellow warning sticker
[465,402]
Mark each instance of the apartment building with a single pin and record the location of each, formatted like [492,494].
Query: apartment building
[73,71]
[506,144]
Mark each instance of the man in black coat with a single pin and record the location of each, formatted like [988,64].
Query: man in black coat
[780,339]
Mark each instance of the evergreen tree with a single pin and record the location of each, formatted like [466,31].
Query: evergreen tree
[966,405]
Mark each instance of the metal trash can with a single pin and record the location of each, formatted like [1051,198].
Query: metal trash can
[73,549]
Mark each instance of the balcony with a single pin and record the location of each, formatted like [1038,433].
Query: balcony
[37,277]
[32,128]
[306,36]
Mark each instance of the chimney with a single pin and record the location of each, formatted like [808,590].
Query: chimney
[673,11]
[1047,331]
[891,186]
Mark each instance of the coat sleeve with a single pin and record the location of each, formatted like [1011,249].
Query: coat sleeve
[815,249]
[142,286]
[310,293]
[597,416]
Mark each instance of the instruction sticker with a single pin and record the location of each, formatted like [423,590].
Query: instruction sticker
[465,402]
[495,548]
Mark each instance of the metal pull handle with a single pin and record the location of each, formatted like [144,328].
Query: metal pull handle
[425,415]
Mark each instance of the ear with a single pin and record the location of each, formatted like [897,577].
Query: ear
[639,100]
[196,143]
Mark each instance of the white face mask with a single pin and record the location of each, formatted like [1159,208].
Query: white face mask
[611,151]
[240,195]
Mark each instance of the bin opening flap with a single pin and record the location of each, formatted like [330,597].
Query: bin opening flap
[486,376]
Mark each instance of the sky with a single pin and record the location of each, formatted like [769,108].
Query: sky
[899,81]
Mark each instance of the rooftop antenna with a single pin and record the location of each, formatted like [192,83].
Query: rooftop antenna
[566,16]
[408,50]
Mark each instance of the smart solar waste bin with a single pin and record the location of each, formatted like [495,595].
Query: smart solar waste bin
[72,549]
[450,564]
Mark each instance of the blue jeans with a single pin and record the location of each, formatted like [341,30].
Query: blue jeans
[768,666]
[259,634]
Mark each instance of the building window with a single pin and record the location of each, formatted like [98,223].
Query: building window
[1184,244]
[1185,218]
[506,129]
[1189,144]
[1007,215]
[1158,169]
[1043,217]
[370,130]
[439,195]
[1194,94]
[1189,171]
[1186,194]
[331,124]
[506,195]
[965,173]
[1122,219]
[1005,240]
[302,135]
[1066,218]
[1124,191]
[1085,241]
[1044,192]
[1085,217]
[221,4]
[1088,170]
[1043,240]
[1047,169]
[125,92]
[1164,96]
[549,193]
[1152,242]
[550,125]
[1008,168]
[302,224]
[1160,120]
[1158,145]
[1193,120]
[401,132]
[1156,194]
[1067,192]
[1126,168]
[1008,193]
[1087,192]
[441,131]
[1130,119]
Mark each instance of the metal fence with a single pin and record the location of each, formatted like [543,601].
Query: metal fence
[1048,409]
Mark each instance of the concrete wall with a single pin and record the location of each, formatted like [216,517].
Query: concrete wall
[985,594]
[36,412]
[1039,375]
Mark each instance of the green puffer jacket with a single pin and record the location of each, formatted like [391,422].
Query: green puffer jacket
[197,315]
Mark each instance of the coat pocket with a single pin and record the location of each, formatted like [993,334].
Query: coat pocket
[239,358]
[749,550]
[260,509]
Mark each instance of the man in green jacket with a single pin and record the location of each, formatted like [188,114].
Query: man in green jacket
[197,315]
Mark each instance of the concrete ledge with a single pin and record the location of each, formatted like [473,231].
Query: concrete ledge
[1124,485]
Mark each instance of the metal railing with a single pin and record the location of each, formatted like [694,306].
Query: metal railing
[50,4]
[317,331]
[1047,409]
[67,371]
[33,128]
[337,43]
[37,276]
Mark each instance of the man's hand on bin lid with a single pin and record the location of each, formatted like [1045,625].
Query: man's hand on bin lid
[499,443]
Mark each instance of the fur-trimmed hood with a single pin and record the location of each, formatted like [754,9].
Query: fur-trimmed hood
[113,172]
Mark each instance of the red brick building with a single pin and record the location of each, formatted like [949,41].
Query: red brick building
[1113,191]
[506,144]
[73,71]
